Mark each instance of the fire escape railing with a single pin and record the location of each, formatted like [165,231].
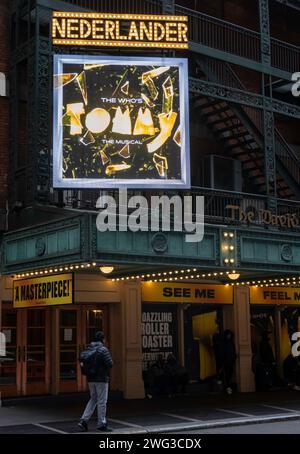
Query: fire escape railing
[234,39]
[208,31]
[120,6]
[223,73]
[285,56]
[222,35]
[220,207]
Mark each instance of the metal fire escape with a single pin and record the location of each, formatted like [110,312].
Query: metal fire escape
[243,120]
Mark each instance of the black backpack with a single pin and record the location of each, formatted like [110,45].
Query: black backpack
[89,360]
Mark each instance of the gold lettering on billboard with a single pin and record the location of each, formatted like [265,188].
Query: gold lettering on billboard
[259,216]
[126,30]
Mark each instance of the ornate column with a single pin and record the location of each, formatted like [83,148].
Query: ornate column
[133,385]
[270,157]
[265,42]
[245,376]
[54,357]
[39,109]
[268,116]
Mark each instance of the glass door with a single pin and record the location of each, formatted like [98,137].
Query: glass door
[69,341]
[9,364]
[93,319]
[77,327]
[35,352]
[26,368]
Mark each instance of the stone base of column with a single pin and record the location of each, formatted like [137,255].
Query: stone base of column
[241,308]
[133,385]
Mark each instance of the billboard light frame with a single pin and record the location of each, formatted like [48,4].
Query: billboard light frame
[105,183]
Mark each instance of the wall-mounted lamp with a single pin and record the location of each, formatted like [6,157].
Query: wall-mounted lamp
[106,269]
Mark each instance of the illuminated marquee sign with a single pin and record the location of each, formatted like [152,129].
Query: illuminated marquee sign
[162,292]
[120,122]
[43,291]
[275,295]
[125,30]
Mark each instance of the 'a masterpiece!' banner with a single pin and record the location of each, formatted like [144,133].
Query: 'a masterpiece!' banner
[120,122]
[43,291]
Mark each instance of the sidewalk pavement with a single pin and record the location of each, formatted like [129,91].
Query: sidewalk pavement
[60,414]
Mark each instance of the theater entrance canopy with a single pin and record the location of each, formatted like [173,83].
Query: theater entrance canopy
[74,243]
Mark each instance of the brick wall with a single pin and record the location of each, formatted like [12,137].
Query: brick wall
[4,102]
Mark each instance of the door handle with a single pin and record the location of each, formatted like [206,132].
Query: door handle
[24,353]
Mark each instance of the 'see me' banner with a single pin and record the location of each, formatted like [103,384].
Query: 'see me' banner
[162,292]
[43,291]
[120,122]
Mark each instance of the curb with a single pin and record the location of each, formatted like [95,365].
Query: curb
[220,424]
[195,425]
[207,425]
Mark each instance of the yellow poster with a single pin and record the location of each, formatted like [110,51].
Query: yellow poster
[275,295]
[43,291]
[161,292]
[204,327]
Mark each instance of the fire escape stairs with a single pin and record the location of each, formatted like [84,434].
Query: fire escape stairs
[241,134]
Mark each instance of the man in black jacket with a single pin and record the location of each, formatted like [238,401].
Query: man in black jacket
[98,380]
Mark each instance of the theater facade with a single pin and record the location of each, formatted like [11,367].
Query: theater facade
[152,292]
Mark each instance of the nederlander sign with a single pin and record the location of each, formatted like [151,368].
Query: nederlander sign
[121,30]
